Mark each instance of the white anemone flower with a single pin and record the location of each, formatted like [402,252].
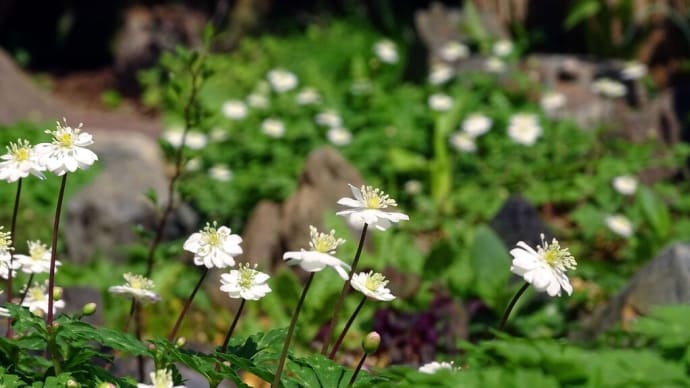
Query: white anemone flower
[452,51]
[524,129]
[440,102]
[273,128]
[67,152]
[545,269]
[609,88]
[440,73]
[193,165]
[329,118]
[634,70]
[308,96]
[386,51]
[214,246]
[494,65]
[367,207]
[620,225]
[218,134]
[38,259]
[282,80]
[551,102]
[625,184]
[339,136]
[220,173]
[37,300]
[234,109]
[476,124]
[246,283]
[372,285]
[162,378]
[137,287]
[20,160]
[322,248]
[435,366]
[502,48]
[413,187]
[258,101]
[463,142]
[195,140]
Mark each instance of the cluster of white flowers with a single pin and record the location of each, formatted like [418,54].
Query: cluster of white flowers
[524,129]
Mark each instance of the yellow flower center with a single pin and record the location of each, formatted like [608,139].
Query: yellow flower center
[36,293]
[211,235]
[375,198]
[65,140]
[5,240]
[555,256]
[247,276]
[375,281]
[20,151]
[138,282]
[37,250]
[322,242]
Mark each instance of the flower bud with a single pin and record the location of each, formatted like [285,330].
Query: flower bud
[72,383]
[371,342]
[57,293]
[180,342]
[106,385]
[88,309]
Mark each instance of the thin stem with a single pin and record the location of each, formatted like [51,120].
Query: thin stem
[506,313]
[188,303]
[224,348]
[53,252]
[132,311]
[359,367]
[13,229]
[26,289]
[291,330]
[346,328]
[137,332]
[346,287]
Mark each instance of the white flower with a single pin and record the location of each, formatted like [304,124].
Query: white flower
[440,102]
[220,172]
[463,142]
[452,51]
[320,256]
[37,300]
[476,124]
[214,246]
[6,255]
[273,128]
[257,101]
[524,129]
[67,152]
[218,134]
[435,366]
[245,282]
[367,208]
[162,378]
[339,136]
[137,287]
[625,184]
[373,285]
[545,269]
[20,160]
[329,118]
[494,65]
[308,96]
[609,88]
[194,140]
[634,70]
[234,109]
[386,51]
[413,187]
[552,101]
[440,73]
[38,259]
[282,80]
[193,164]
[502,48]
[4,313]
[620,225]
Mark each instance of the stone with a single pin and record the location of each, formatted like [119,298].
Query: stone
[519,220]
[75,297]
[100,219]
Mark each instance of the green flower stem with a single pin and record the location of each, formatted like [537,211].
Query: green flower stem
[357,369]
[224,348]
[13,229]
[506,313]
[188,303]
[346,328]
[346,288]
[26,289]
[291,330]
[53,252]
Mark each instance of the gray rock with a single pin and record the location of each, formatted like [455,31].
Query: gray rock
[519,220]
[76,297]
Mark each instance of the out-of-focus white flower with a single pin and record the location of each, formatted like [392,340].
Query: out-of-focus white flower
[245,282]
[366,207]
[214,246]
[194,140]
[373,285]
[625,184]
[360,87]
[6,254]
[67,152]
[413,187]
[273,128]
[502,48]
[234,109]
[329,118]
[38,259]
[162,378]
[220,172]
[339,136]
[440,73]
[37,300]
[452,51]
[5,313]
[282,80]
[494,65]
[552,101]
[218,134]
[386,51]
[609,88]
[20,160]
[476,124]
[524,128]
[634,70]
[322,248]
[463,142]
[257,101]
[440,102]
[193,164]
[620,225]
[545,269]
[308,96]
[435,366]
[137,287]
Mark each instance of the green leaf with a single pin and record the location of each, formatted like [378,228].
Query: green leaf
[581,11]
[656,212]
[491,266]
[405,161]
